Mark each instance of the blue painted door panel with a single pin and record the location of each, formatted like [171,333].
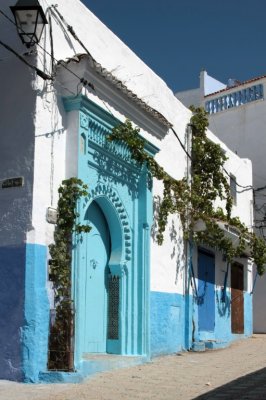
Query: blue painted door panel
[96,264]
[206,292]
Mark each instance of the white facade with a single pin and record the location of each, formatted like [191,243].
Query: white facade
[40,142]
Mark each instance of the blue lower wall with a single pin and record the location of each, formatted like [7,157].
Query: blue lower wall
[12,283]
[36,323]
[24,315]
[24,312]
[174,322]
[222,329]
[248,314]
[167,322]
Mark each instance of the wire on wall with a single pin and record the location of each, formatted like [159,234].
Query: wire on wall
[40,73]
[82,80]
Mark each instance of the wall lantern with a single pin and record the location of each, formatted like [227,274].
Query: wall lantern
[30,20]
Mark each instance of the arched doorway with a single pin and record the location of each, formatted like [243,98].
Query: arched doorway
[95,258]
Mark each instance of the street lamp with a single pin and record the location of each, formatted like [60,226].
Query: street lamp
[30,20]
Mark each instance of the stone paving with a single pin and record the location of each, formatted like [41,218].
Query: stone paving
[236,373]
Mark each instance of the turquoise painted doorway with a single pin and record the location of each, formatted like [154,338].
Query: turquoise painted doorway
[96,257]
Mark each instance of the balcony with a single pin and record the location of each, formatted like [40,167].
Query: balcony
[234,99]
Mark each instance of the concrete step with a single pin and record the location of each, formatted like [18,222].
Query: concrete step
[98,362]
[215,344]
[198,346]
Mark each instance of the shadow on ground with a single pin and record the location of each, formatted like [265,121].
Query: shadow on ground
[248,387]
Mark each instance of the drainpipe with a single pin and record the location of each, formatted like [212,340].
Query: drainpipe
[189,254]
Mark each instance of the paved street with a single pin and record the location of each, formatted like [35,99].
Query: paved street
[236,373]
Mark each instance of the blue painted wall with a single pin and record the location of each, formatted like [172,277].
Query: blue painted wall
[12,283]
[35,330]
[167,322]
[248,314]
[222,330]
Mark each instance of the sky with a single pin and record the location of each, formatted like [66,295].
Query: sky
[179,38]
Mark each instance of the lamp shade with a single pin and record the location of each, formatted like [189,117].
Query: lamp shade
[30,20]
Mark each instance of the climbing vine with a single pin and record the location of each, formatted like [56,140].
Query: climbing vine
[194,201]
[61,334]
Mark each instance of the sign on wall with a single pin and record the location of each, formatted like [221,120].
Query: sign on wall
[12,182]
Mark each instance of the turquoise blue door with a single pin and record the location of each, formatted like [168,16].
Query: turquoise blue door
[206,292]
[96,257]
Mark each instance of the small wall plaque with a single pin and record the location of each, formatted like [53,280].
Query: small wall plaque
[12,182]
[51,215]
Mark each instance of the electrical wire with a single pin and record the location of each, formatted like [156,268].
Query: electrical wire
[40,73]
[249,187]
[181,144]
[51,42]
[12,58]
[260,188]
[71,30]
[82,80]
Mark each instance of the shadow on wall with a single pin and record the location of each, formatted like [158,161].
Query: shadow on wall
[117,172]
[223,302]
[17,160]
[175,236]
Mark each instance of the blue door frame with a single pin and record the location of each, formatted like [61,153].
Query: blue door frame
[122,190]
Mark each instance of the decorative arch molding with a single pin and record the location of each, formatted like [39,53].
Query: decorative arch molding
[110,202]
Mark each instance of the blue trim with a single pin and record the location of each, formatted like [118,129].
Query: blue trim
[36,325]
[91,111]
[122,189]
[248,314]
[234,99]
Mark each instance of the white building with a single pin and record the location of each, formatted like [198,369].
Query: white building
[53,130]
[237,116]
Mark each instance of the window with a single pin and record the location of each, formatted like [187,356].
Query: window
[82,145]
[233,188]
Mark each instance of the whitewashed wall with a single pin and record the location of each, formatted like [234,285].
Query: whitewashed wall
[50,124]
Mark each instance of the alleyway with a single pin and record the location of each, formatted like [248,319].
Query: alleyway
[184,376]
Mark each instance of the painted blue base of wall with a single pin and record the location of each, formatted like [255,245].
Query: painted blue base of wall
[111,362]
[34,334]
[167,323]
[91,367]
[24,312]
[222,336]
[12,283]
[24,322]
[60,377]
